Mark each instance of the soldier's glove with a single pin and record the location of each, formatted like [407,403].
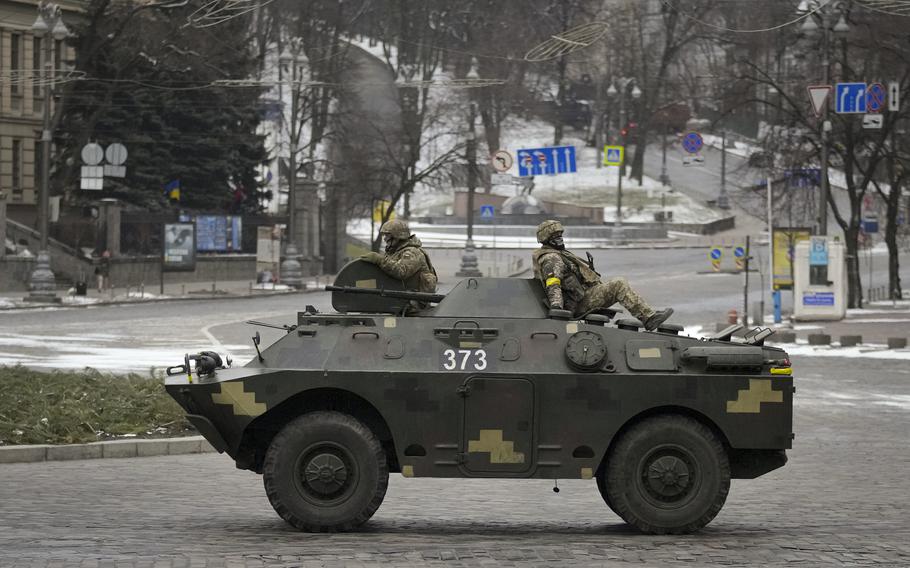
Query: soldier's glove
[371,257]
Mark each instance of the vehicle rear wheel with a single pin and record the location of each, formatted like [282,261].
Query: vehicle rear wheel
[602,487]
[325,472]
[668,475]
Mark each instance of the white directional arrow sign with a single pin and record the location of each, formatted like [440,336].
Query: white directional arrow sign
[894,96]
[818,96]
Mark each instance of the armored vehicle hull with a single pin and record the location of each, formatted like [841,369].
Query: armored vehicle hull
[489,384]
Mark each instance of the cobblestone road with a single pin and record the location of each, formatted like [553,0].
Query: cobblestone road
[843,500]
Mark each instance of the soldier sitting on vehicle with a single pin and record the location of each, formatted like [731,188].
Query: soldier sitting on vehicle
[572,283]
[404,258]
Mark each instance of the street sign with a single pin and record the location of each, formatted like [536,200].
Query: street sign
[696,160]
[818,251]
[894,96]
[739,252]
[818,96]
[613,155]
[92,178]
[875,97]
[803,177]
[716,253]
[870,226]
[692,142]
[546,161]
[850,98]
[502,161]
[873,121]
[116,154]
[487,212]
[502,179]
[92,154]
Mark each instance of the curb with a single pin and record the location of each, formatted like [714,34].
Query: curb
[102,450]
[263,294]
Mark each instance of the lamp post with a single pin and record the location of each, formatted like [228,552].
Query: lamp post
[469,259]
[624,83]
[291,272]
[810,29]
[42,286]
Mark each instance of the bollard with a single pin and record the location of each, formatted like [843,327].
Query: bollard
[819,339]
[784,337]
[897,343]
[850,340]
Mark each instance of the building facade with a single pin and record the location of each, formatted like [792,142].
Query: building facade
[22,95]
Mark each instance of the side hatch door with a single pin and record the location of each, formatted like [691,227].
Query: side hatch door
[498,433]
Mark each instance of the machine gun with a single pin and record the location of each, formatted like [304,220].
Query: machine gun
[397,294]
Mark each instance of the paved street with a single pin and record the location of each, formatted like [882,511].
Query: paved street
[841,501]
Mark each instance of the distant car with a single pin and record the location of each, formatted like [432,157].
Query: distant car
[489,383]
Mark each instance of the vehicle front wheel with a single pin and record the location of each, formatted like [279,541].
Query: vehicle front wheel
[325,472]
[667,475]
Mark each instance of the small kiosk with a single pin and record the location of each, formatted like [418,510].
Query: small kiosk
[819,280]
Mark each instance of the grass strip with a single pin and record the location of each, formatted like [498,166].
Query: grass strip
[69,407]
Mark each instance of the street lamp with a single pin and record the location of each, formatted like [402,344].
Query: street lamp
[42,285]
[469,259]
[624,83]
[810,30]
[291,271]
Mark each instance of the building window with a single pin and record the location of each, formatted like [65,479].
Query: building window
[15,62]
[17,166]
[37,76]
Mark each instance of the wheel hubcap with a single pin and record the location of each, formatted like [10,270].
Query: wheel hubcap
[325,474]
[668,477]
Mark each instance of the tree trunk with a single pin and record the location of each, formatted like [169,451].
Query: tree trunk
[854,281]
[560,100]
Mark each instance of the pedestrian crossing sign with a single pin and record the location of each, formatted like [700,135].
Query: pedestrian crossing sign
[613,155]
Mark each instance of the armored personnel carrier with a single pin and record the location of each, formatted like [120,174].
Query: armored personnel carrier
[486,382]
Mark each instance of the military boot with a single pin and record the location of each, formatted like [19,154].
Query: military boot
[658,318]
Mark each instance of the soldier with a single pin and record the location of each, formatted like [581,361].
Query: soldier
[572,284]
[404,257]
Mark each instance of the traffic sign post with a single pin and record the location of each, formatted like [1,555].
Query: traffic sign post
[818,96]
[875,97]
[614,155]
[692,142]
[850,98]
[894,96]
[546,161]
[715,254]
[502,161]
[739,253]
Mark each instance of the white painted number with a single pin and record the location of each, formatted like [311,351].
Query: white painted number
[470,358]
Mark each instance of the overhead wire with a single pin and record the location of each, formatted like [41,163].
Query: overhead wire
[672,6]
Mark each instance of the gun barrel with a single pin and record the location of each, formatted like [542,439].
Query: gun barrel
[403,294]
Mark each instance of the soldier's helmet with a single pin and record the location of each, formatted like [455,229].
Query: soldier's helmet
[547,230]
[397,229]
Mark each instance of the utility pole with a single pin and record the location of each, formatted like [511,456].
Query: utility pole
[469,259]
[723,201]
[42,284]
[291,272]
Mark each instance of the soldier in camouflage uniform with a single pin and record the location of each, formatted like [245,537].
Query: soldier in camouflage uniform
[572,284]
[404,258]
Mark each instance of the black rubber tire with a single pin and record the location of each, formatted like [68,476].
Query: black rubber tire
[318,443]
[602,487]
[668,445]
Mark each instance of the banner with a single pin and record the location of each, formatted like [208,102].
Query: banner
[784,245]
[179,251]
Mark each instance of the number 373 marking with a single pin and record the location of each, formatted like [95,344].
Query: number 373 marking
[464,359]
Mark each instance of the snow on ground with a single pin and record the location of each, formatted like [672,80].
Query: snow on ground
[98,351]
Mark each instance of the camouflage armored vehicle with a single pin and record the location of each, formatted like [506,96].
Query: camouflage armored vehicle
[486,382]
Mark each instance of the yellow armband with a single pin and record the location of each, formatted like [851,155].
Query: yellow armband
[553,281]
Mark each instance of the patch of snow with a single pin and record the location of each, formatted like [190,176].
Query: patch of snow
[270,286]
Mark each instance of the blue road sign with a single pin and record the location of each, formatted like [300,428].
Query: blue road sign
[739,252]
[546,161]
[870,226]
[850,98]
[614,156]
[692,142]
[803,177]
[818,251]
[875,97]
[716,253]
[486,211]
